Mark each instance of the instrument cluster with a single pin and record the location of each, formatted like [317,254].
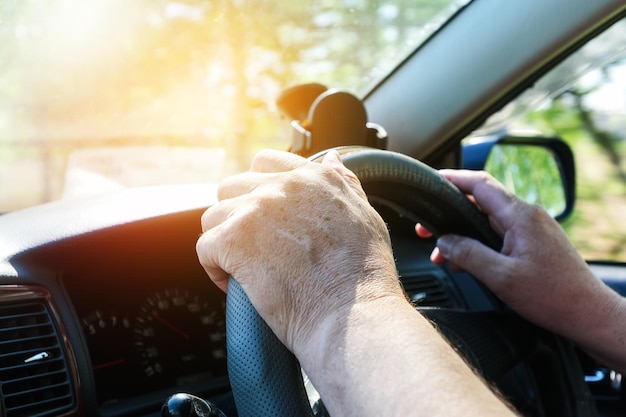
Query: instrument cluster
[141,339]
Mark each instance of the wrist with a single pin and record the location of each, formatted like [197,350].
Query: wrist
[342,350]
[603,335]
[329,307]
[380,354]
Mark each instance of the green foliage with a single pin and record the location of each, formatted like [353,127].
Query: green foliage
[597,227]
[83,74]
[149,67]
[531,173]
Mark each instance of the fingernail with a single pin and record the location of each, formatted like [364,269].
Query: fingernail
[444,243]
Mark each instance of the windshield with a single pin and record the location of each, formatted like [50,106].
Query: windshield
[106,94]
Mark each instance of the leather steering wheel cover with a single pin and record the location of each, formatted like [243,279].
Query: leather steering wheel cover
[420,193]
[264,375]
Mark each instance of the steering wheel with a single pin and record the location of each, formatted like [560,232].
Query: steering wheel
[265,377]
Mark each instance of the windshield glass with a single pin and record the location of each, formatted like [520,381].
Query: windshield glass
[105,94]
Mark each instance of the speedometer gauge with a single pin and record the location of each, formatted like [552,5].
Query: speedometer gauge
[179,334]
[109,336]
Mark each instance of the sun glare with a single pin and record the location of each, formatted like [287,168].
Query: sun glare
[92,74]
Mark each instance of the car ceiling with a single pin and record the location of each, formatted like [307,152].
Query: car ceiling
[451,86]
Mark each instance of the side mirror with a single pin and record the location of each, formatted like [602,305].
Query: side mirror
[538,170]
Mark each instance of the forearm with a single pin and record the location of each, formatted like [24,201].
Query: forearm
[384,358]
[601,332]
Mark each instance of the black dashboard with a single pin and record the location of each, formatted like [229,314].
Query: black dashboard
[136,317]
[105,310]
[150,317]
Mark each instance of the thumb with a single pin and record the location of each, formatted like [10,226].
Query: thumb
[469,254]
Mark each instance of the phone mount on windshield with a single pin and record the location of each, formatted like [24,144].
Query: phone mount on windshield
[323,119]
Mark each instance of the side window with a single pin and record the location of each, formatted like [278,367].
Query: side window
[590,115]
[583,101]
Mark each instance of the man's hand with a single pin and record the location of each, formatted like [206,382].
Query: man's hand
[315,260]
[301,239]
[538,272]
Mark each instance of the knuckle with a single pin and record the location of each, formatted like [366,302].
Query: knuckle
[532,212]
[226,187]
[206,218]
[260,158]
[485,176]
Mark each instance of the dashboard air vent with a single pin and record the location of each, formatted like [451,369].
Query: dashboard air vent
[428,290]
[34,376]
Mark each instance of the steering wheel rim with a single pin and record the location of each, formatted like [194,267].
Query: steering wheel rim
[265,377]
[417,192]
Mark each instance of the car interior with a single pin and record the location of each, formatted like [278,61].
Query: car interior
[105,310]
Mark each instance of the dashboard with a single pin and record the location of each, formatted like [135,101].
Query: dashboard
[137,319]
[105,310]
[149,330]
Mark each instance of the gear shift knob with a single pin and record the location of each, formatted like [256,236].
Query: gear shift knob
[187,405]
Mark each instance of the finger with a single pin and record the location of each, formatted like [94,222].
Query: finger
[215,215]
[472,256]
[207,252]
[216,238]
[333,160]
[270,160]
[244,183]
[422,231]
[231,210]
[436,257]
[490,195]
